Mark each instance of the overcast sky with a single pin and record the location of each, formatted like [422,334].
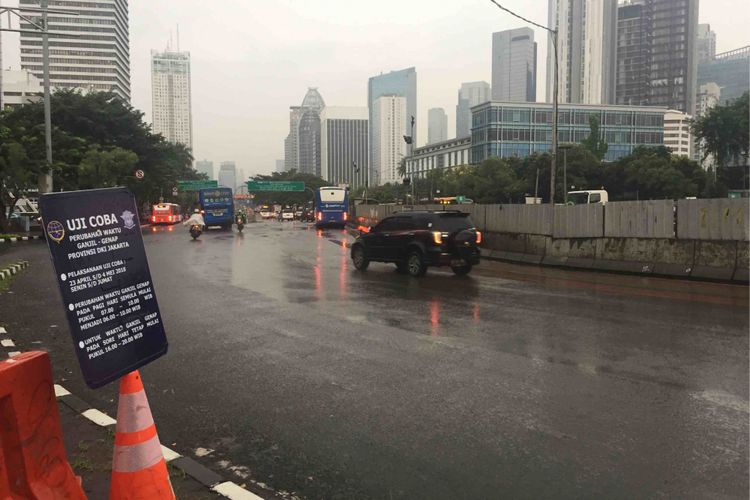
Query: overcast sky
[252,59]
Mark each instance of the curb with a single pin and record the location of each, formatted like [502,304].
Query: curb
[187,465]
[15,239]
[13,269]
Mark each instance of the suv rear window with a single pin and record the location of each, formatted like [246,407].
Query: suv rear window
[452,222]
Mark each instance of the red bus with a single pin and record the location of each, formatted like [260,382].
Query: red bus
[166,213]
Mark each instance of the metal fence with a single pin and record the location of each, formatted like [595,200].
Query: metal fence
[711,219]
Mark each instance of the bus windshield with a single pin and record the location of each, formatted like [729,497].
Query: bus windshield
[332,195]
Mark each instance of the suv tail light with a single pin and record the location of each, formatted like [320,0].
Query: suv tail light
[320,215]
[437,237]
[346,216]
[479,237]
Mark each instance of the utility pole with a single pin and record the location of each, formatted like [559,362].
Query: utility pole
[553,32]
[39,26]
[45,179]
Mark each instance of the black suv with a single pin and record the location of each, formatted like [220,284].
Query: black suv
[415,240]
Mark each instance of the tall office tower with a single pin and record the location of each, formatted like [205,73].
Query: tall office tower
[705,43]
[514,65]
[228,174]
[292,139]
[709,95]
[343,144]
[308,135]
[170,96]
[389,115]
[205,167]
[302,145]
[634,35]
[401,83]
[437,125]
[586,53]
[280,166]
[89,50]
[674,64]
[470,94]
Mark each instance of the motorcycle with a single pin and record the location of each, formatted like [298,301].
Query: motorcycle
[240,223]
[195,231]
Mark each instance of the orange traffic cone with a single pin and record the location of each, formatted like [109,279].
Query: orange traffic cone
[138,467]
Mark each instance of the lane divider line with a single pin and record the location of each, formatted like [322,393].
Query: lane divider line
[7,343]
[13,354]
[234,492]
[98,417]
[60,391]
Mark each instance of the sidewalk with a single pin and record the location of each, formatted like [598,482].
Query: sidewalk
[89,449]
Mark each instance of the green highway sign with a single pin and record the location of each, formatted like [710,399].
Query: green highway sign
[196,185]
[276,186]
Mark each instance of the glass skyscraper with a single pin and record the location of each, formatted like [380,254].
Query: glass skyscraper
[520,129]
[514,65]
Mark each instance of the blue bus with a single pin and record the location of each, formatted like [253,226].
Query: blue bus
[331,206]
[218,207]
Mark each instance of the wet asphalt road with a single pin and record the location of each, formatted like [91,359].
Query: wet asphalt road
[517,381]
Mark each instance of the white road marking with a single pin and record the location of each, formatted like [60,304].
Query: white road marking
[60,391]
[234,491]
[7,343]
[169,454]
[202,452]
[98,417]
[13,354]
[3,330]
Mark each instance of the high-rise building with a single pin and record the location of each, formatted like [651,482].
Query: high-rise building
[205,167]
[677,136]
[437,125]
[730,71]
[514,65]
[709,95]
[586,53]
[705,43]
[302,145]
[171,96]
[389,116]
[228,174]
[634,34]
[280,166]
[401,83]
[343,143]
[470,94]
[19,87]
[674,63]
[89,50]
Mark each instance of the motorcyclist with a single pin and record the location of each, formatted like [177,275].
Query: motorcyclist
[196,218]
[241,215]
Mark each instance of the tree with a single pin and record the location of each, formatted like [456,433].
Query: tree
[723,131]
[594,142]
[98,140]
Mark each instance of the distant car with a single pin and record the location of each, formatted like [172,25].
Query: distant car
[287,214]
[266,214]
[298,214]
[419,239]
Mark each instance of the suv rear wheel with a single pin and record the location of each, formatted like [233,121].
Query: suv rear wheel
[359,259]
[415,264]
[462,270]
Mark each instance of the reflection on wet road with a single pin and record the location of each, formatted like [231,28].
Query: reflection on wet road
[514,381]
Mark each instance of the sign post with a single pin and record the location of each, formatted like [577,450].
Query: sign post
[101,268]
[276,186]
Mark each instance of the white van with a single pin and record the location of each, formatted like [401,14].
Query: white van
[588,196]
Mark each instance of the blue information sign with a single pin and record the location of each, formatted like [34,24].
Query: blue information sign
[100,263]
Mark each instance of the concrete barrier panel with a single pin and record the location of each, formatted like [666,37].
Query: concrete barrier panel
[715,259]
[579,221]
[673,257]
[639,219]
[714,219]
[742,271]
[633,255]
